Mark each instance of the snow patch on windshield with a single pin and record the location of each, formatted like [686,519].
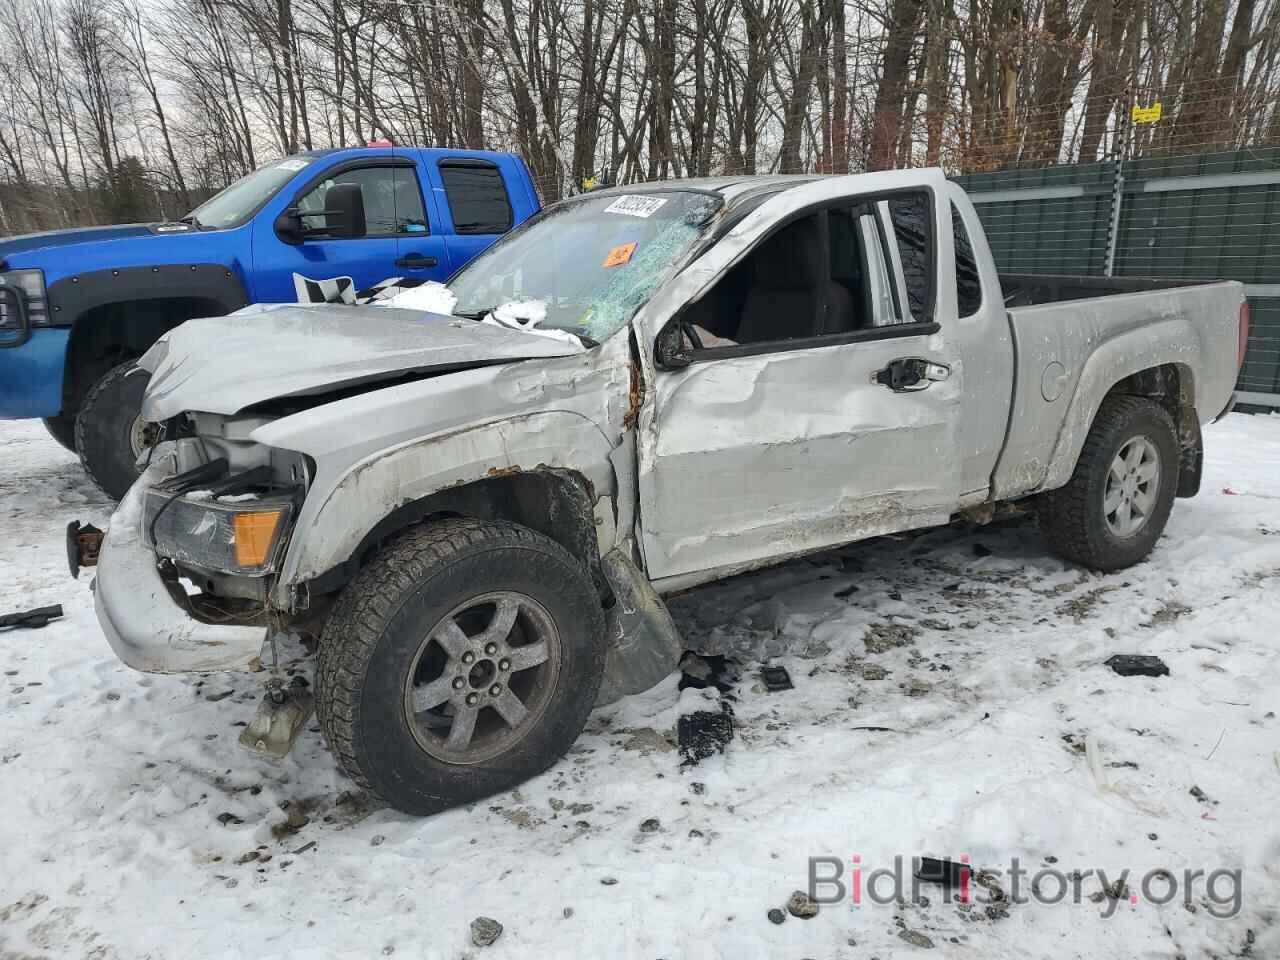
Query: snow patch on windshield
[526,315]
[432,296]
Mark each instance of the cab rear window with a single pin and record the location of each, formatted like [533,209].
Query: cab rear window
[477,196]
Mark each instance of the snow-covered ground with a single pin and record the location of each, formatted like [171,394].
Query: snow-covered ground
[133,825]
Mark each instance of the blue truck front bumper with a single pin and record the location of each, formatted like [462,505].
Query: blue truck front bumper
[31,375]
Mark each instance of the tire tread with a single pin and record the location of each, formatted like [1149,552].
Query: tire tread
[372,598]
[1064,513]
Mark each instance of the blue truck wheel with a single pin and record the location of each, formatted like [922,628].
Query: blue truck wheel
[63,429]
[110,431]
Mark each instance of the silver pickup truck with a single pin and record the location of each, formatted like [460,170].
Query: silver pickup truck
[465,517]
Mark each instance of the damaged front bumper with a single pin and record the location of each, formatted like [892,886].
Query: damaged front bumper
[148,621]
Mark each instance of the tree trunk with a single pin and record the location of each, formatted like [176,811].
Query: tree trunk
[886,118]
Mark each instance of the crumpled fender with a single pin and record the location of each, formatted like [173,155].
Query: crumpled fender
[332,525]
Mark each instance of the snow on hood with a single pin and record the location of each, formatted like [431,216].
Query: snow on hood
[432,296]
[264,352]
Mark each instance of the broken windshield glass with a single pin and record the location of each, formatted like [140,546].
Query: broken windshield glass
[586,265]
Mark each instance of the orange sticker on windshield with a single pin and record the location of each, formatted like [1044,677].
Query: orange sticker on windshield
[620,255]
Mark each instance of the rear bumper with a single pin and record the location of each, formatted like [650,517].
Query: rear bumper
[146,626]
[31,375]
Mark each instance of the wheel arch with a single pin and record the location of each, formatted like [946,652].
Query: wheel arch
[116,315]
[548,471]
[1129,366]
[554,502]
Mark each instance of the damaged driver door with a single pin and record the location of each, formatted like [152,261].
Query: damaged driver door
[764,450]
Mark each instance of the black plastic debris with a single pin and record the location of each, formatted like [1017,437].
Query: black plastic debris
[1138,665]
[946,872]
[776,678]
[704,734]
[38,617]
[701,671]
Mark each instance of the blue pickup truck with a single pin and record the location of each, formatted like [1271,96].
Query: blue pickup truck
[77,307]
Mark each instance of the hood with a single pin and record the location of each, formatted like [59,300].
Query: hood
[62,238]
[267,352]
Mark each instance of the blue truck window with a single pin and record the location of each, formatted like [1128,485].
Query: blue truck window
[392,199]
[477,196]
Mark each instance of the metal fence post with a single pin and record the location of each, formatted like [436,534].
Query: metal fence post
[1123,133]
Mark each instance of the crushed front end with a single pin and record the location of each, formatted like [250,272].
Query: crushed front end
[185,569]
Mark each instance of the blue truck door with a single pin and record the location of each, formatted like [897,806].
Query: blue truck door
[395,220]
[476,202]
[423,253]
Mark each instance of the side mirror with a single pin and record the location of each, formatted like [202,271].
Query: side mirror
[343,217]
[669,351]
[344,211]
[289,226]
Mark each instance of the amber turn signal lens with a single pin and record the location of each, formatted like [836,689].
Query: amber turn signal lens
[255,533]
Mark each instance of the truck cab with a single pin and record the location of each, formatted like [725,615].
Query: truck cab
[77,307]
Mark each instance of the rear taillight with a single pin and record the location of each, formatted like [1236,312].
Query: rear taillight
[1244,335]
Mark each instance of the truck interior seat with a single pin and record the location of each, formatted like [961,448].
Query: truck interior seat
[791,289]
[846,264]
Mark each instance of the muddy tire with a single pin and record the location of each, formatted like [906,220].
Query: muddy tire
[463,659]
[110,432]
[1115,506]
[63,429]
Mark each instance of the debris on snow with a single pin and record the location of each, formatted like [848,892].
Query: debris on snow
[946,872]
[882,637]
[915,938]
[775,678]
[30,619]
[1137,665]
[800,905]
[484,931]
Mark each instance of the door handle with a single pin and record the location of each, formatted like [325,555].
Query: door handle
[907,374]
[416,261]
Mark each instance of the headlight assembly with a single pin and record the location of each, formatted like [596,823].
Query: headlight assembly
[233,535]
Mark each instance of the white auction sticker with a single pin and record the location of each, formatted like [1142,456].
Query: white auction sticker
[635,206]
[293,163]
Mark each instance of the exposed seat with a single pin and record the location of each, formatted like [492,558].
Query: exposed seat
[793,296]
[846,261]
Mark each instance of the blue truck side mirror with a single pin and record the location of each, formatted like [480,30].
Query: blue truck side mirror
[343,215]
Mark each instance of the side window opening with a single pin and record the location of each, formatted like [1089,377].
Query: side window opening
[968,283]
[392,199]
[833,272]
[477,196]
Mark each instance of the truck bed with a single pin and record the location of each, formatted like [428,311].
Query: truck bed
[1029,289]
[1074,337]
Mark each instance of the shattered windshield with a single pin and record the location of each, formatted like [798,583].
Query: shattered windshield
[586,265]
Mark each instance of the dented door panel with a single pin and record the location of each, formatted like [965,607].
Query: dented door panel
[756,458]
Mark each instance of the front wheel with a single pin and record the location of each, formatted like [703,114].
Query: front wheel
[110,432]
[63,429]
[462,660]
[1114,508]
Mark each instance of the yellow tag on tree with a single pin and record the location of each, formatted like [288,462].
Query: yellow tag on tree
[619,255]
[1151,114]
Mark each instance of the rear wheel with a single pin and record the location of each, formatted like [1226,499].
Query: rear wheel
[1115,506]
[110,431]
[462,660]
